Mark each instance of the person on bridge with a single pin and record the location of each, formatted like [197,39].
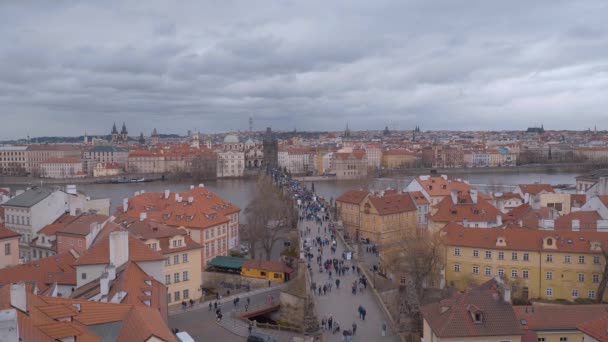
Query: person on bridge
[354,328]
[337,284]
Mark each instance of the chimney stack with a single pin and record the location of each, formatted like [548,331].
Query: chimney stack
[111,270]
[191,187]
[474,195]
[104,286]
[119,247]
[454,196]
[201,185]
[18,296]
[190,199]
[125,205]
[498,220]
[167,192]
[143,216]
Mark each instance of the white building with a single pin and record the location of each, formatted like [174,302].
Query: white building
[61,168]
[374,156]
[230,164]
[105,154]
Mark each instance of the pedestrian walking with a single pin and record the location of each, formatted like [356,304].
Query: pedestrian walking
[354,328]
[383,329]
[337,283]
[250,327]
[210,306]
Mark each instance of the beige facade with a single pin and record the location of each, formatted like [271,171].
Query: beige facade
[349,165]
[9,248]
[181,269]
[61,168]
[13,160]
[559,201]
[429,336]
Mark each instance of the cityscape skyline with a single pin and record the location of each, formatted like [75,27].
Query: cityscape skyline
[441,66]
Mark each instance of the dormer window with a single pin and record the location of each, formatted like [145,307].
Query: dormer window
[477,317]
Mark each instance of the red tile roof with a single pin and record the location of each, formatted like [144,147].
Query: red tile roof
[44,272]
[587,220]
[482,211]
[596,328]
[438,186]
[353,196]
[81,225]
[453,318]
[558,317]
[99,253]
[393,204]
[418,197]
[535,189]
[523,239]
[6,233]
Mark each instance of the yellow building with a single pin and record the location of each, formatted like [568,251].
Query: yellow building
[349,209]
[537,263]
[388,217]
[271,270]
[398,159]
[182,266]
[559,201]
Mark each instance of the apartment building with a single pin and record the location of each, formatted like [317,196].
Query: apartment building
[38,154]
[210,220]
[9,247]
[470,209]
[388,217]
[351,165]
[541,264]
[398,159]
[61,168]
[182,265]
[436,187]
[349,209]
[13,160]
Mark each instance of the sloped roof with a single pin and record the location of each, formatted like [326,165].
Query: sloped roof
[226,262]
[465,208]
[558,317]
[596,328]
[6,233]
[99,253]
[28,199]
[454,317]
[143,323]
[438,186]
[44,272]
[353,196]
[393,204]
[535,189]
[81,225]
[587,220]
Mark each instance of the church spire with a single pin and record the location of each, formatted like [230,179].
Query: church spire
[114,130]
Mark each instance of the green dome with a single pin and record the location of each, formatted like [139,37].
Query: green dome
[231,139]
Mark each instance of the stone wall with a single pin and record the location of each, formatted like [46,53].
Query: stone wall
[232,282]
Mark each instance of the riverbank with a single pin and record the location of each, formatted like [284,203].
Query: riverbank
[532,168]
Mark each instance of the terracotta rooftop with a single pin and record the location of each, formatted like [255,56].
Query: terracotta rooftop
[558,317]
[6,233]
[62,221]
[523,239]
[439,186]
[587,220]
[454,317]
[465,208]
[596,328]
[353,196]
[81,225]
[535,189]
[418,197]
[393,204]
[99,253]
[44,272]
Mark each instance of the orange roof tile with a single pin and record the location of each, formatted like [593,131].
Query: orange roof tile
[58,268]
[482,211]
[562,317]
[353,196]
[393,204]
[99,253]
[535,189]
[438,186]
[596,328]
[6,233]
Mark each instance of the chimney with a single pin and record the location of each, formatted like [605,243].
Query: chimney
[18,296]
[454,196]
[119,248]
[190,199]
[474,196]
[526,198]
[167,192]
[179,199]
[576,225]
[136,193]
[191,187]
[125,205]
[111,271]
[201,185]
[142,192]
[176,197]
[104,285]
[465,222]
[498,220]
[143,216]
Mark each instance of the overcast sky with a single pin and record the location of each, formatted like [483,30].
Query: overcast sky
[71,66]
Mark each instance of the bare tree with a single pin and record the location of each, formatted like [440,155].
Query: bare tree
[271,214]
[417,261]
[604,281]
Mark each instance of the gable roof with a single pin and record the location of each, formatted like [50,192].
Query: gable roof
[587,220]
[28,199]
[353,196]
[44,272]
[392,203]
[465,208]
[558,317]
[596,328]
[535,189]
[454,317]
[99,253]
[440,186]
[6,233]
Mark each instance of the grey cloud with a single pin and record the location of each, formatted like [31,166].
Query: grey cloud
[315,65]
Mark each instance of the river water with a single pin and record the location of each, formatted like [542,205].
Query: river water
[239,191]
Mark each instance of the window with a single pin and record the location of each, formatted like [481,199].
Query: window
[456,268]
[596,278]
[278,276]
[79,243]
[596,259]
[566,259]
[185,276]
[574,295]
[185,257]
[176,295]
[176,259]
[488,254]
[176,277]
[488,271]
[83,275]
[526,257]
[549,242]
[71,242]
[549,292]
[563,339]
[167,261]
[581,277]
[513,273]
[186,294]
[501,255]
[549,257]
[549,275]
[168,298]
[167,279]
[501,272]
[591,294]
[263,274]
[540,339]
[525,274]
[476,253]
[7,248]
[581,259]
[514,256]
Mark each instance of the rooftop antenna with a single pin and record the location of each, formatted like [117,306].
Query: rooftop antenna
[250,123]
